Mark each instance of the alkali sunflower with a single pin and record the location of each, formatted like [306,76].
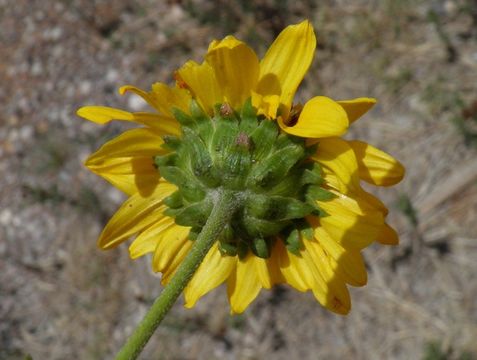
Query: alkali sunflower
[230,123]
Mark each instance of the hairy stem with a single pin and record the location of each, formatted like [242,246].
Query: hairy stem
[223,210]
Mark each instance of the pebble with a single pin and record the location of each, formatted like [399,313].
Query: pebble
[135,103]
[85,87]
[36,68]
[3,247]
[112,76]
[474,56]
[6,217]
[115,195]
[53,34]
[26,132]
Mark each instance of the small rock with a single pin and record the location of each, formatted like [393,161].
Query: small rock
[115,195]
[36,69]
[112,76]
[6,217]
[135,103]
[85,87]
[26,132]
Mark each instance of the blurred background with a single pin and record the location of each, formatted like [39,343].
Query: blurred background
[62,298]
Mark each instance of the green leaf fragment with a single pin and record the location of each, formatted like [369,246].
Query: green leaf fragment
[293,242]
[260,248]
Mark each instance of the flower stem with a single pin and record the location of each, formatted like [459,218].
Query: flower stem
[223,210]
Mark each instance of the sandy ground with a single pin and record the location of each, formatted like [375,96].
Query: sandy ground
[61,298]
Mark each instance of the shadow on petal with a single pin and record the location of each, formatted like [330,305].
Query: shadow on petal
[146,176]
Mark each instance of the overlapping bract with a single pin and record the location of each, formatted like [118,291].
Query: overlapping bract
[231,73]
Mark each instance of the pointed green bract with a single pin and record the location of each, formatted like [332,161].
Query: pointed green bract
[269,171]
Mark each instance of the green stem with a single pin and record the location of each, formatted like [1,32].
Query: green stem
[225,205]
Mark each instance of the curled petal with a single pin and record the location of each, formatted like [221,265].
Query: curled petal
[356,108]
[321,117]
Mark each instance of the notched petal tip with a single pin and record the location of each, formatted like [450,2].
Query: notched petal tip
[236,68]
[228,42]
[286,62]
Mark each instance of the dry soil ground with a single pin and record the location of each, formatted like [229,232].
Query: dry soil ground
[61,298]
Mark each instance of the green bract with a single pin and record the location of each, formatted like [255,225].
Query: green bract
[267,170]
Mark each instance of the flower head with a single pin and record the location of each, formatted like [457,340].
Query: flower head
[230,123]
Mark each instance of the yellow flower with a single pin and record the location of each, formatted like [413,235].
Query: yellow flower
[230,122]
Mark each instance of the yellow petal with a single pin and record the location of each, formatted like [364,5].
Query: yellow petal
[373,202]
[243,285]
[348,263]
[337,157]
[294,271]
[127,161]
[135,142]
[355,108]
[103,115]
[375,166]
[182,250]
[329,289]
[149,98]
[286,63]
[162,97]
[266,105]
[169,242]
[341,171]
[350,222]
[388,236]
[128,174]
[136,214]
[236,69]
[214,270]
[168,98]
[201,81]
[147,240]
[268,270]
[321,117]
